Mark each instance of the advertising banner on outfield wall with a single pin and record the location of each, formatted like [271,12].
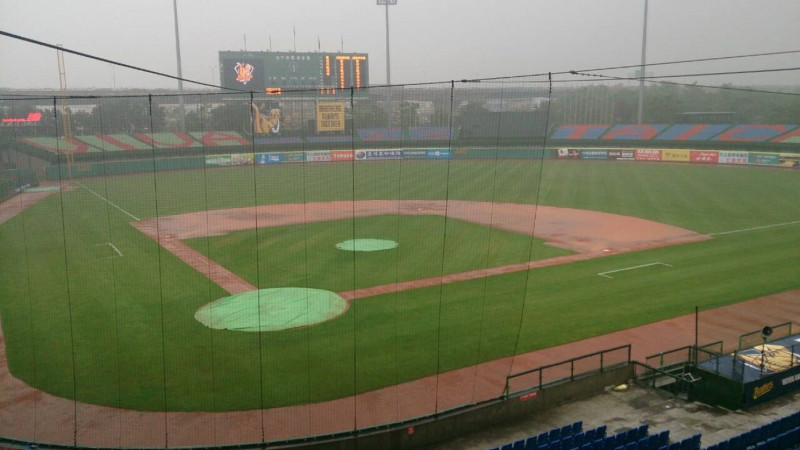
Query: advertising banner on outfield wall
[438,153]
[318,156]
[594,154]
[704,156]
[790,160]
[342,155]
[269,158]
[733,157]
[569,153]
[242,159]
[372,155]
[621,155]
[647,155]
[218,160]
[415,154]
[294,157]
[764,159]
[676,155]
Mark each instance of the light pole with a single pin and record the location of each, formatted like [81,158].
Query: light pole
[214,71]
[641,69]
[387,3]
[182,117]
[388,108]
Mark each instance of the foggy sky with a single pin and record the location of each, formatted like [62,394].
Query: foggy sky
[430,40]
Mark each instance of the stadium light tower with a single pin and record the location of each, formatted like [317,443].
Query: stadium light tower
[182,117]
[641,69]
[387,3]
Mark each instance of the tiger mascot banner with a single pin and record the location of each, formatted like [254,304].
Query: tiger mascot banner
[266,119]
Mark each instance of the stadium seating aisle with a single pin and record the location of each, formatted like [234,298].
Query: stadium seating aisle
[781,434]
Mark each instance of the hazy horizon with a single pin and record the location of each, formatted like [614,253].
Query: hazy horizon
[430,41]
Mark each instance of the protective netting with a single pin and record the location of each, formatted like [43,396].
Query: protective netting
[128,219]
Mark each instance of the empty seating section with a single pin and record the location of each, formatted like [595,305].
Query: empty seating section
[781,434]
[679,132]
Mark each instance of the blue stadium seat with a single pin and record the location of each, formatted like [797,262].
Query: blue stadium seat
[554,434]
[691,443]
[530,443]
[518,445]
[543,438]
[507,446]
[577,427]
[579,438]
[663,438]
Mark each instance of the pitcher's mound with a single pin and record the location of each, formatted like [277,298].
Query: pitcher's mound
[366,245]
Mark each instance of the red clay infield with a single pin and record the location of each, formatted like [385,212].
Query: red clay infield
[31,415]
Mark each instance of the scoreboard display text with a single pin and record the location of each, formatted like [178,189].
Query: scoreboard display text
[314,73]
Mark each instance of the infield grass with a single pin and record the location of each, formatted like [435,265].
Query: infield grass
[305,254]
[81,321]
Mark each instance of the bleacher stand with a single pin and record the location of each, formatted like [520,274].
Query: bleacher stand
[781,434]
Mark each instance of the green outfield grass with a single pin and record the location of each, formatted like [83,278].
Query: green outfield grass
[115,326]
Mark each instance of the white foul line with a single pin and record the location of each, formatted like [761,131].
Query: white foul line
[605,274]
[755,228]
[115,249]
[108,201]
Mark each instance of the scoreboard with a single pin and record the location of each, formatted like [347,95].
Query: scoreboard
[312,73]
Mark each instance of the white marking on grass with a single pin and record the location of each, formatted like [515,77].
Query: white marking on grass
[108,201]
[755,228]
[115,249]
[605,274]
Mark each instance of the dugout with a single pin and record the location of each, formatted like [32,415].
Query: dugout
[751,375]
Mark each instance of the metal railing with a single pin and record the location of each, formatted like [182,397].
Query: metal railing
[755,338]
[685,354]
[568,370]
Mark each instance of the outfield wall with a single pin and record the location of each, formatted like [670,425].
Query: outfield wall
[714,157]
[13,181]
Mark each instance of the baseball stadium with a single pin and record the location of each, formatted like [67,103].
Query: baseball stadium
[384,267]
